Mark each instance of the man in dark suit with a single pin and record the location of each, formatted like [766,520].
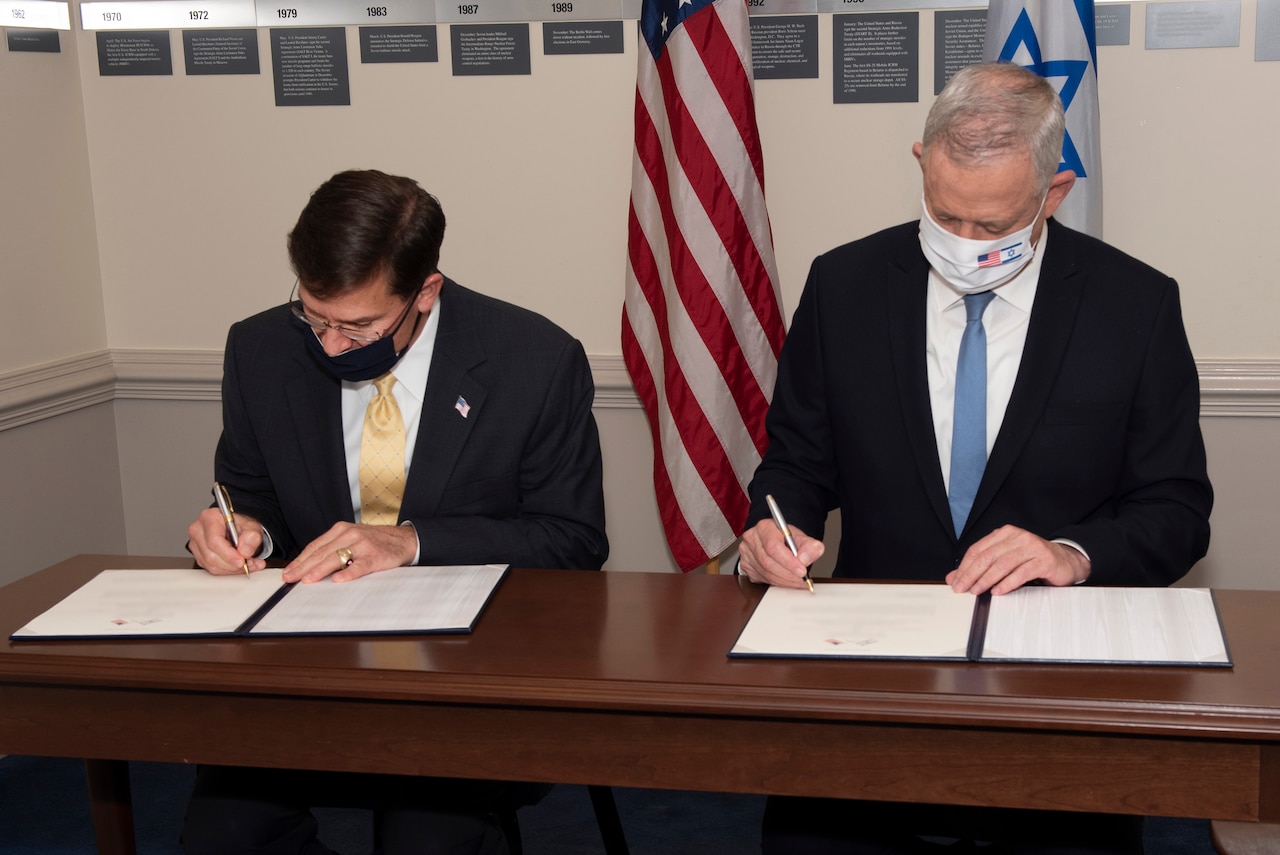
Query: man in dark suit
[1090,463]
[390,417]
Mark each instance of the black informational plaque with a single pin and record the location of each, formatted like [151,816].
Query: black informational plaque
[876,58]
[399,44]
[126,53]
[480,49]
[957,42]
[784,47]
[33,41]
[310,67]
[1111,23]
[1266,40]
[577,37]
[220,52]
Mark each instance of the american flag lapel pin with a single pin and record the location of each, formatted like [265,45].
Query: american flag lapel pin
[462,406]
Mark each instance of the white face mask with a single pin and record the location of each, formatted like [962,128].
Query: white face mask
[969,265]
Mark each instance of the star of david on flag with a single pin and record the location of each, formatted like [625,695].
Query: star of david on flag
[1055,39]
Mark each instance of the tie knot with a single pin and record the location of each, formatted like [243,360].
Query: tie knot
[976,304]
[384,383]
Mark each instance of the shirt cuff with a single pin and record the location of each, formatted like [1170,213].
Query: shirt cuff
[268,545]
[1078,548]
[417,544]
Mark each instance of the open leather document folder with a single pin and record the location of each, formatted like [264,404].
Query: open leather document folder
[190,602]
[1136,626]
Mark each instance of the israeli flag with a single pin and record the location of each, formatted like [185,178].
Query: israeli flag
[1055,39]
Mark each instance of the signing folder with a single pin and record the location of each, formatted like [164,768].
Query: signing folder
[1136,626]
[187,602]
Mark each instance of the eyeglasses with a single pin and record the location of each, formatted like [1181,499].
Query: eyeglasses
[362,334]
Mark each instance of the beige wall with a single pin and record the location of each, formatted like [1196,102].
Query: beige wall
[60,481]
[143,215]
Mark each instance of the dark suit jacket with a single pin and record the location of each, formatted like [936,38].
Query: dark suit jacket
[1100,443]
[518,480]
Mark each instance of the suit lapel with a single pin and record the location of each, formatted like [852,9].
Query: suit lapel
[315,404]
[908,290]
[1053,316]
[446,422]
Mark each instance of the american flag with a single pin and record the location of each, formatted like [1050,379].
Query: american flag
[702,324]
[999,256]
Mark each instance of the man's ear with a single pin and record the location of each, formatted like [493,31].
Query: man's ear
[430,291]
[1059,187]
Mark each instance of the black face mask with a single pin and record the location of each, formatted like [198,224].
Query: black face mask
[360,363]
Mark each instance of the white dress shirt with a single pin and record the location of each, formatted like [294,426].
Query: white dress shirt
[411,384]
[1005,320]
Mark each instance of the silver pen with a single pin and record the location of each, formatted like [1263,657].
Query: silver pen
[781,523]
[228,515]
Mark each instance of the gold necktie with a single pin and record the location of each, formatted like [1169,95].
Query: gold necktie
[382,457]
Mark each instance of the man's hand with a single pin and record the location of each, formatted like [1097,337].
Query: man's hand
[1010,557]
[372,548]
[212,548]
[764,555]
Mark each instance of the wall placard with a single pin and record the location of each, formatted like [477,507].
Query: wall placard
[399,44]
[784,47]
[581,37]
[143,53]
[1196,24]
[33,41]
[485,49]
[957,42]
[35,14]
[1266,43]
[876,58]
[220,52]
[310,67]
[167,14]
[1111,23]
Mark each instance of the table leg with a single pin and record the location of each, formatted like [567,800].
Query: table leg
[112,804]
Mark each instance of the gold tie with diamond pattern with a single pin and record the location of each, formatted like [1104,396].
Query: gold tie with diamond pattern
[382,457]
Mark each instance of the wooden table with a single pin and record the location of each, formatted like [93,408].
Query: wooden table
[622,679]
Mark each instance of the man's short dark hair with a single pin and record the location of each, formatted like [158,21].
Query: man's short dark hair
[362,224]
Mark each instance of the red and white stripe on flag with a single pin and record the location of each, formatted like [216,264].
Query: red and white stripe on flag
[702,323]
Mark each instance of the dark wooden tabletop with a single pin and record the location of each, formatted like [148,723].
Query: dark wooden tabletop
[645,642]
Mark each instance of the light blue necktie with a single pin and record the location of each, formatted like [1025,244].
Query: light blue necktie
[969,425]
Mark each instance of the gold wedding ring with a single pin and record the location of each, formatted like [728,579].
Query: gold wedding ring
[344,555]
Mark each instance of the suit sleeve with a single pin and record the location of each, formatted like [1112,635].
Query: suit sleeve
[1157,524]
[239,462]
[560,518]
[799,468]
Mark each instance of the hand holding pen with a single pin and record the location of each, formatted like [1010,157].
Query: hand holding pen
[781,523]
[228,515]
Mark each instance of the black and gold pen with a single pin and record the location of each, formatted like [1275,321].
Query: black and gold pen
[228,515]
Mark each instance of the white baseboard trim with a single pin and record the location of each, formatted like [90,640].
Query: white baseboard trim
[1228,388]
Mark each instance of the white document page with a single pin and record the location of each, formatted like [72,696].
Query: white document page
[181,601]
[1083,624]
[404,599]
[874,621]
